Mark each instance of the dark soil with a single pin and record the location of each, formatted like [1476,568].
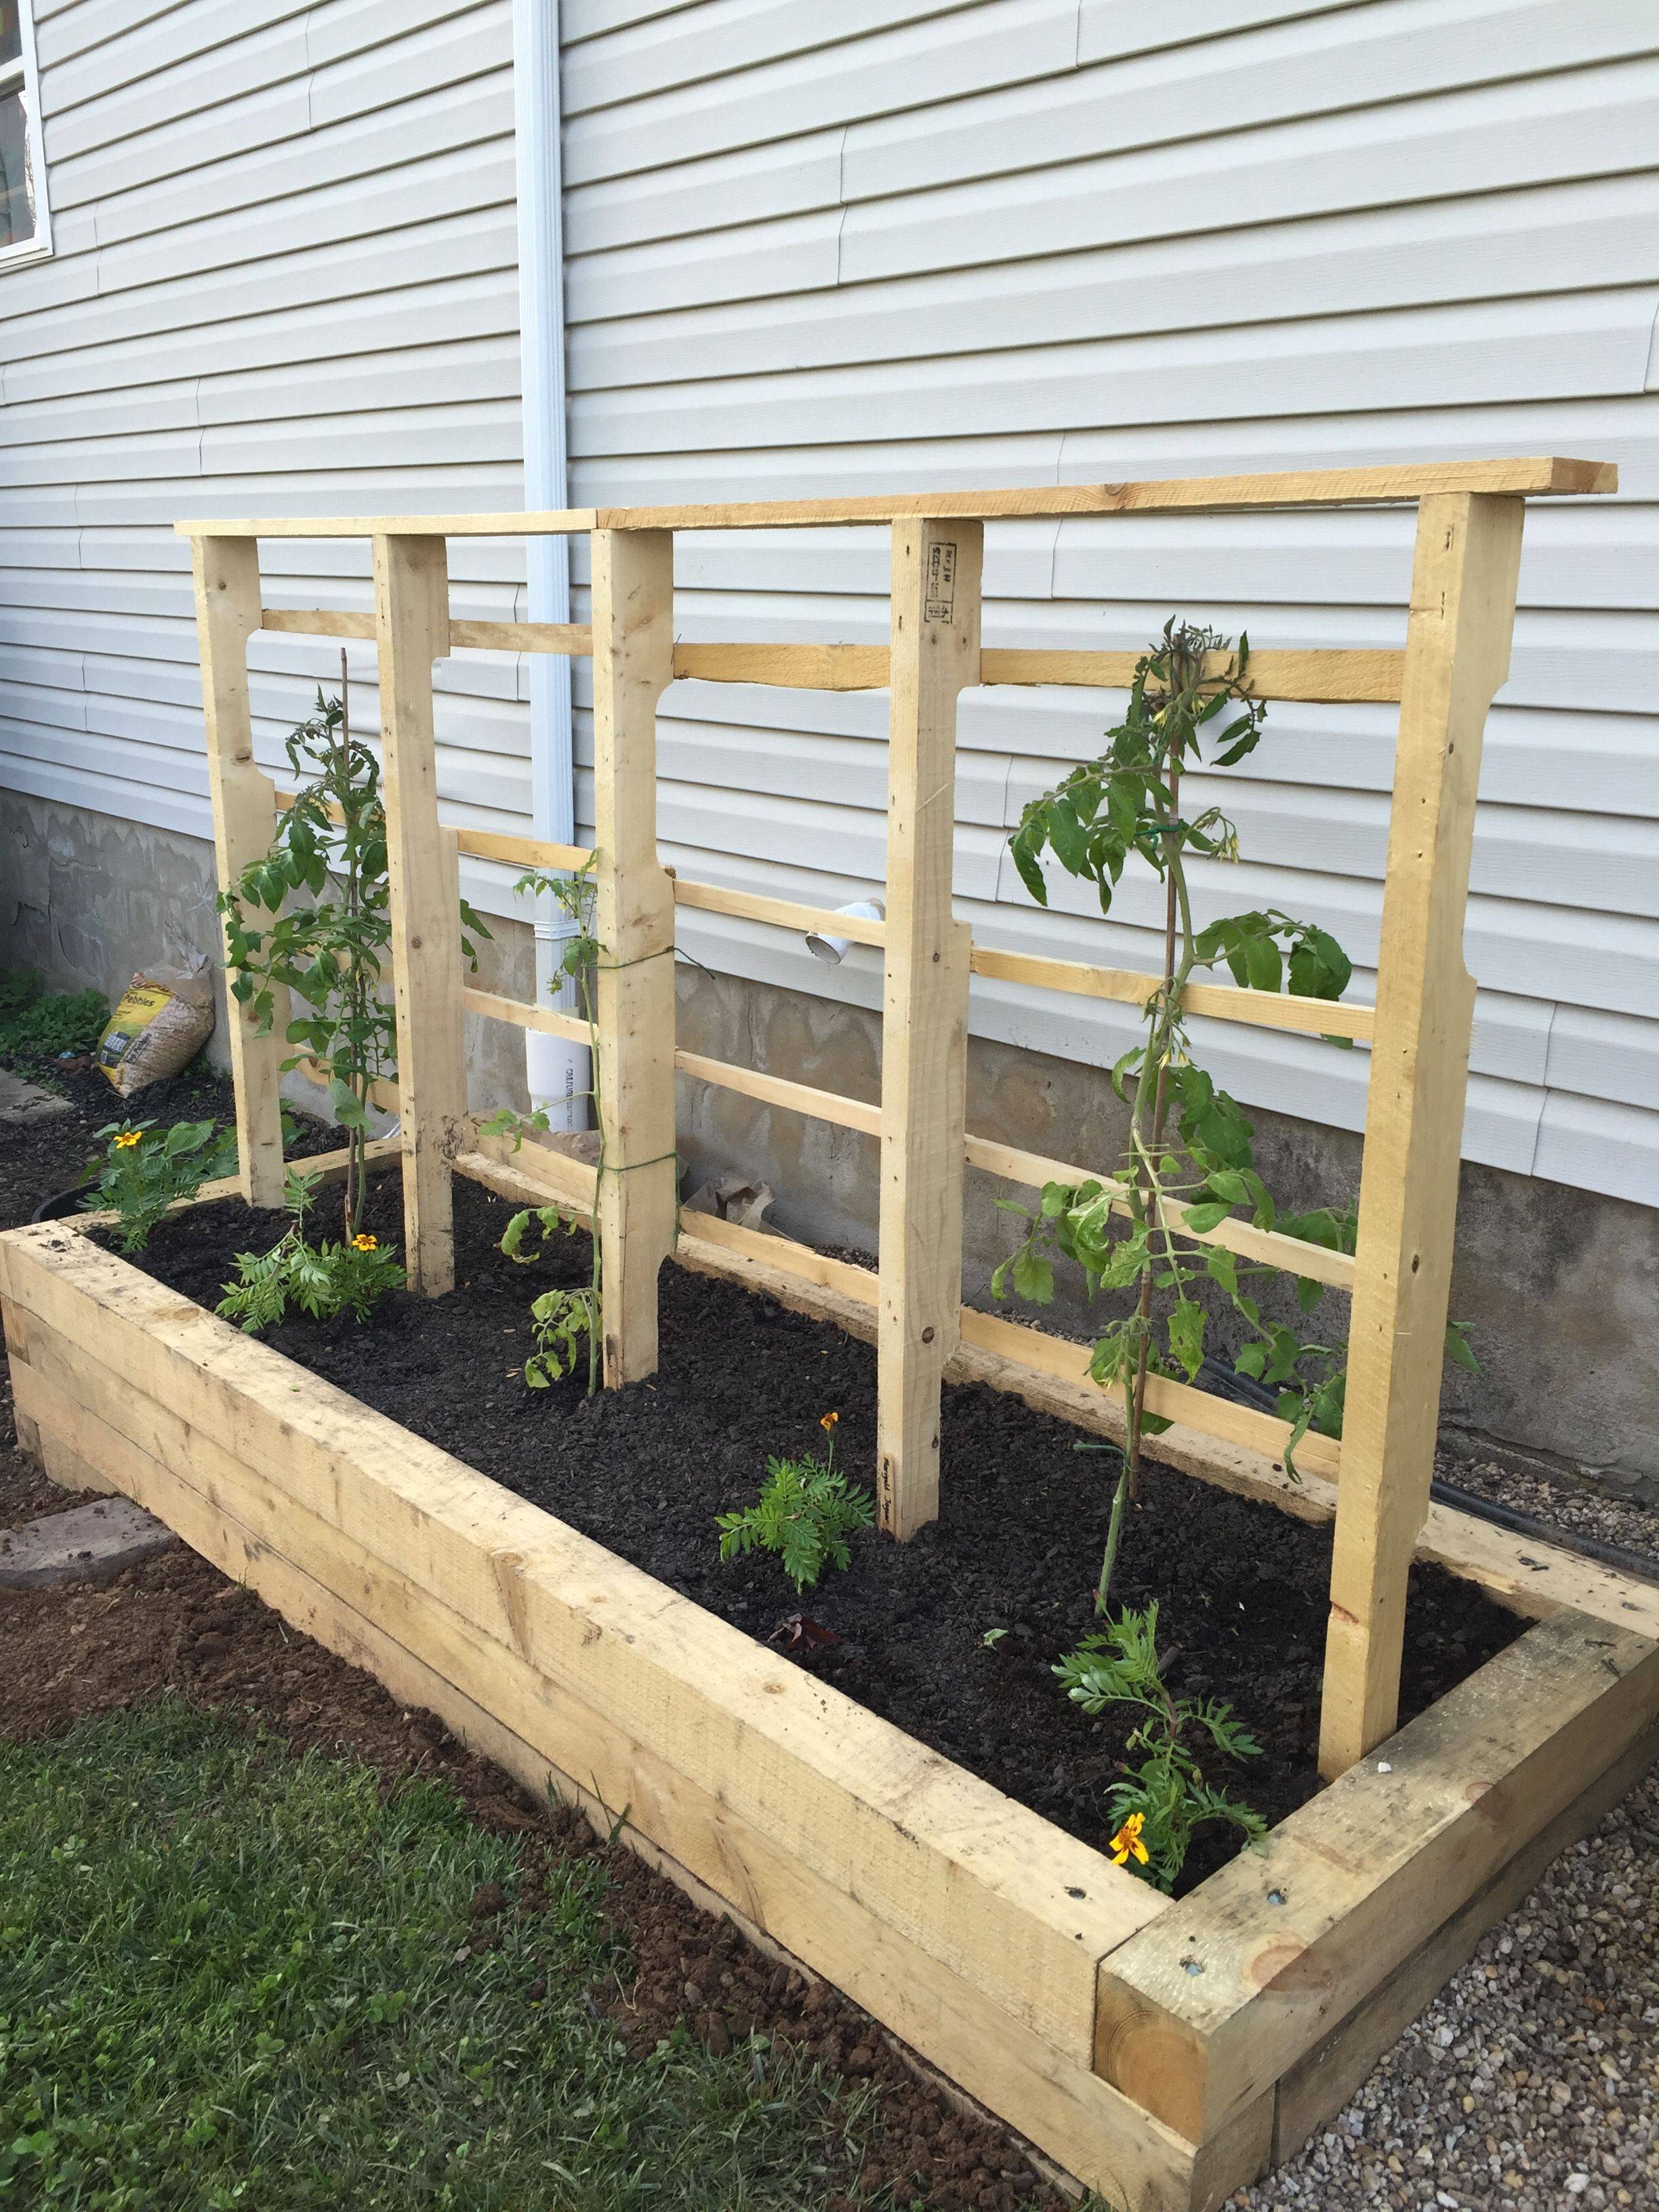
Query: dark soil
[175,1625]
[1240,1586]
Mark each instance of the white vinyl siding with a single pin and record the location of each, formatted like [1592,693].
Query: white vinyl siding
[876,246]
[1039,242]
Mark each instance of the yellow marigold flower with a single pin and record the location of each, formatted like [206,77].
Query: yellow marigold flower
[365,1243]
[128,1138]
[828,1422]
[1127,1843]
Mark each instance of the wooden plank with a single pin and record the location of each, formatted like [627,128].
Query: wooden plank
[1457,653]
[1173,1401]
[935,609]
[987,1888]
[1195,2023]
[564,638]
[551,523]
[795,1097]
[488,845]
[1294,1254]
[777,914]
[1533,477]
[1320,2084]
[790,667]
[529,1174]
[412,609]
[524,1016]
[1222,1002]
[1177,494]
[1328,674]
[488,636]
[1310,673]
[799,1262]
[499,1705]
[633,595]
[326,1167]
[316,621]
[527,853]
[226,576]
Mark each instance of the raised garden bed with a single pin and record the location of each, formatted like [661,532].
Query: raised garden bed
[1163,2051]
[911,1813]
[1015,1548]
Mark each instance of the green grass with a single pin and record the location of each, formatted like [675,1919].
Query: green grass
[229,1977]
[37,1024]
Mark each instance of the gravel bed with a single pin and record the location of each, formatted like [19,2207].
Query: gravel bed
[1587,1513]
[1532,2083]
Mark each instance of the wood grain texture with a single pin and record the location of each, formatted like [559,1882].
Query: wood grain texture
[1457,652]
[527,853]
[791,667]
[1321,2082]
[1197,2021]
[1293,1253]
[523,1016]
[632,594]
[411,612]
[1537,477]
[1222,1002]
[1330,674]
[778,914]
[988,1889]
[227,578]
[774,1091]
[499,1704]
[936,573]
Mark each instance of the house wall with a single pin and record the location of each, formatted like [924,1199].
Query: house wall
[812,250]
[816,249]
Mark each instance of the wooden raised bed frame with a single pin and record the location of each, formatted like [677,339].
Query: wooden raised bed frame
[1163,2053]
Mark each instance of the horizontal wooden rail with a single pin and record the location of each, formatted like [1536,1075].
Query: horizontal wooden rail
[775,1090]
[568,638]
[1030,1347]
[1292,1254]
[778,914]
[789,667]
[480,636]
[523,1016]
[1320,673]
[1171,1401]
[1222,1002]
[382,1093]
[317,622]
[489,845]
[1315,673]
[324,1168]
[525,853]
[1536,476]
[570,1182]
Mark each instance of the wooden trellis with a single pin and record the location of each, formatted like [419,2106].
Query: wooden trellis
[1455,656]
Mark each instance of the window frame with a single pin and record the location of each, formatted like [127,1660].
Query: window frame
[23,75]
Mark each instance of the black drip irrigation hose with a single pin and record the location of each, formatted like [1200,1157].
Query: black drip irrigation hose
[1244,1390]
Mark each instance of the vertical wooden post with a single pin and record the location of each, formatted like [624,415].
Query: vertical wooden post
[412,630]
[637,1196]
[924,1052]
[1457,654]
[243,825]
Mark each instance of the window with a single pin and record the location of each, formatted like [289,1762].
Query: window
[25,225]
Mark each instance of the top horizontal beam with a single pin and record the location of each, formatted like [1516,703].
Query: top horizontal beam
[1535,477]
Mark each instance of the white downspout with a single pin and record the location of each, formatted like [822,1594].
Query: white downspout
[556,1072]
